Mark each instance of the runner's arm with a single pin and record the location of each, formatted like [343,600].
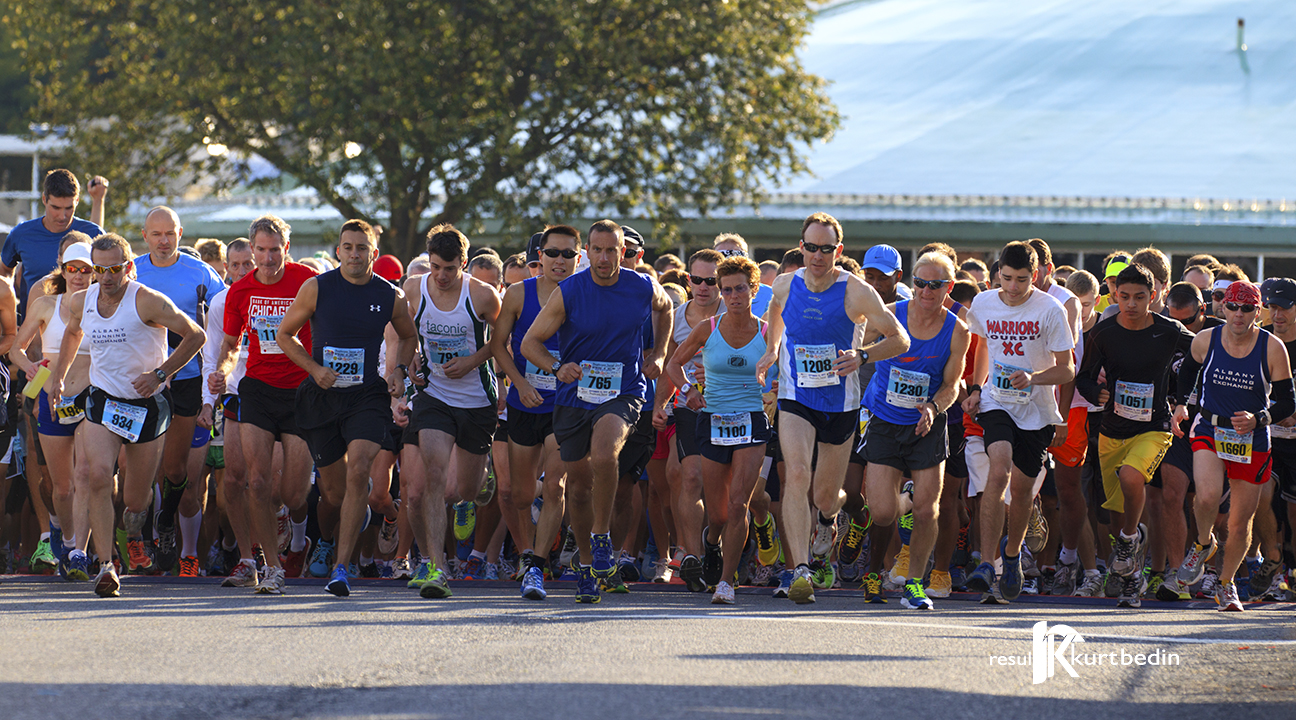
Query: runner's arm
[72,335]
[510,308]
[685,352]
[97,189]
[1086,379]
[157,310]
[407,342]
[864,304]
[8,317]
[950,382]
[299,313]
[662,319]
[487,303]
[37,317]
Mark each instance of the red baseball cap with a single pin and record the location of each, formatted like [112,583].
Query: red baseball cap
[1242,293]
[389,268]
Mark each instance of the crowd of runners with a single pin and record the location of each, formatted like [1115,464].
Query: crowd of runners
[574,413]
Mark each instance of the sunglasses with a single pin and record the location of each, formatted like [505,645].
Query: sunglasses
[110,269]
[69,268]
[933,284]
[1234,307]
[735,288]
[696,280]
[555,252]
[733,253]
[826,249]
[1217,296]
[631,251]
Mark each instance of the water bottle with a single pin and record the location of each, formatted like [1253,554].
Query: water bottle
[36,383]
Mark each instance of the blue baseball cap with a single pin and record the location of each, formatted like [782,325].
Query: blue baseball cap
[882,257]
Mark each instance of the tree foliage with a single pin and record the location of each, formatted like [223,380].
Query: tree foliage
[452,110]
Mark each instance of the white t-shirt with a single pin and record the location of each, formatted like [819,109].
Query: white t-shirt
[1021,338]
[1062,295]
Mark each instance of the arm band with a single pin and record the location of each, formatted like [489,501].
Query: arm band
[1283,399]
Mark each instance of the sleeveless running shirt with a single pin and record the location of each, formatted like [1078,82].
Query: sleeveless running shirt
[447,335]
[815,328]
[191,284]
[680,330]
[604,333]
[1230,384]
[540,378]
[906,381]
[122,347]
[347,329]
[52,335]
[731,372]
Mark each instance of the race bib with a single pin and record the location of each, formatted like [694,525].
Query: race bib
[906,388]
[68,413]
[1282,433]
[442,351]
[348,363]
[1232,445]
[731,428]
[1134,400]
[600,382]
[124,420]
[542,379]
[1003,390]
[814,365]
[266,328]
[864,418]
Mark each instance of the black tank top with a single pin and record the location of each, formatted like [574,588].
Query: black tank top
[347,329]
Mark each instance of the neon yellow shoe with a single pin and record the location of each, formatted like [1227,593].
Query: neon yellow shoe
[768,547]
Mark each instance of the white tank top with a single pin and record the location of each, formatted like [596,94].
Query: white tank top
[122,347]
[52,335]
[680,330]
[446,335]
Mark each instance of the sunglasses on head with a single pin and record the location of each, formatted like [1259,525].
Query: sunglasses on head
[698,280]
[555,252]
[826,249]
[933,284]
[1234,307]
[110,269]
[69,268]
[1218,296]
[733,253]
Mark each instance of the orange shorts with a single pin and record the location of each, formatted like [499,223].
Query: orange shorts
[1072,451]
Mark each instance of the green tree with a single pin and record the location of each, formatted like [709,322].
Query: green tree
[426,111]
[15,87]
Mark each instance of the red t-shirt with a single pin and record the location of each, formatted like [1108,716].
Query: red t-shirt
[256,308]
[970,427]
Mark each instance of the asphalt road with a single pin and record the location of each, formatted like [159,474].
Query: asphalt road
[190,649]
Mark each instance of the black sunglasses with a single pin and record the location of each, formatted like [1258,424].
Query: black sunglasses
[933,284]
[826,249]
[631,251]
[698,280]
[555,252]
[1217,296]
[1234,307]
[733,253]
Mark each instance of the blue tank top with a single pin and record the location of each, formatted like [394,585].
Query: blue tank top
[347,329]
[1230,384]
[540,378]
[907,380]
[191,284]
[815,329]
[604,332]
[731,372]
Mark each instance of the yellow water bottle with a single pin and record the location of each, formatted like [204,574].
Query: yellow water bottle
[35,384]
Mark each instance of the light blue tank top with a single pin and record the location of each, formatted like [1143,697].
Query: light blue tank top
[731,373]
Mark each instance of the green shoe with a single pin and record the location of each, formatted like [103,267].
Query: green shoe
[615,584]
[823,576]
[465,519]
[43,559]
[120,537]
[436,587]
[420,576]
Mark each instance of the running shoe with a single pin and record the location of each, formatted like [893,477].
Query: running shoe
[724,594]
[661,571]
[189,566]
[603,557]
[802,590]
[139,560]
[961,554]
[56,544]
[1031,586]
[914,597]
[768,547]
[1194,564]
[1226,597]
[244,574]
[587,586]
[1171,590]
[822,574]
[822,537]
[78,566]
[1111,584]
[899,571]
[321,562]
[1064,578]
[1037,530]
[487,492]
[272,582]
[627,569]
[568,551]
[1010,583]
[491,572]
[763,576]
[166,555]
[1210,581]
[940,584]
[873,589]
[712,562]
[904,527]
[981,579]
[283,522]
[106,582]
[437,586]
[848,550]
[533,584]
[958,578]
[295,562]
[43,560]
[258,555]
[400,568]
[784,584]
[1132,588]
[691,574]
[1154,582]
[613,584]
[353,571]
[337,583]
[388,534]
[465,519]
[385,570]
[370,570]
[994,597]
[1277,590]
[1091,586]
[473,569]
[1261,578]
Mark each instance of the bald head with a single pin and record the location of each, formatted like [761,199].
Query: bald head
[162,232]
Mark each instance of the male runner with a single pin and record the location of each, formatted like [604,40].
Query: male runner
[603,377]
[812,321]
[1279,295]
[343,408]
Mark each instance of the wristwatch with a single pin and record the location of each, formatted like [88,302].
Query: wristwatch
[553,369]
[160,374]
[863,355]
[403,369]
[685,388]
